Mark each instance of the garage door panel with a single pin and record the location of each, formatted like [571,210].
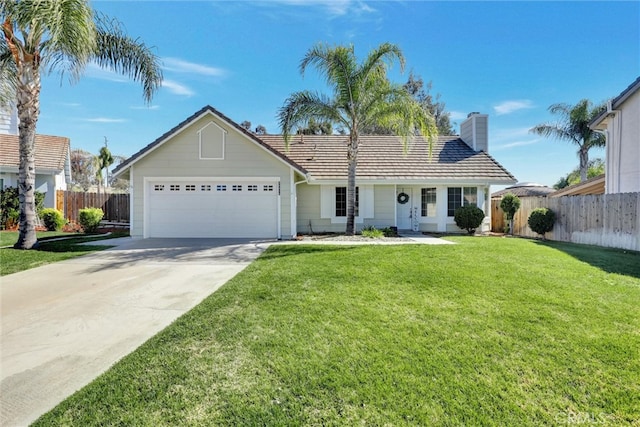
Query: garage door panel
[212,209]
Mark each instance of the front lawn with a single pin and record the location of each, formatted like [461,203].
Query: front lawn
[47,252]
[487,332]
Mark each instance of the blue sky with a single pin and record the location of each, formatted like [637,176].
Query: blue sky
[510,60]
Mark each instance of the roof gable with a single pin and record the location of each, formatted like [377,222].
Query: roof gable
[186,123]
[51,152]
[617,101]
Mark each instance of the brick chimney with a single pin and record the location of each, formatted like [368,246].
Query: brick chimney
[474,131]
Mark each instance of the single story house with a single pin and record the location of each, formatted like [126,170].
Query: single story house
[52,162]
[524,189]
[209,177]
[620,123]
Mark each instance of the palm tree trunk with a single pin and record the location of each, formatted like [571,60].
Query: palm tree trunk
[28,105]
[584,162]
[352,158]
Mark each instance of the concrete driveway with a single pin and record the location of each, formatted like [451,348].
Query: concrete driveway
[64,324]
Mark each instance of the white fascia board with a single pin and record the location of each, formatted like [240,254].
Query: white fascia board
[450,181]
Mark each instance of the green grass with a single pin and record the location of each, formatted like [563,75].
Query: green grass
[487,332]
[9,238]
[47,252]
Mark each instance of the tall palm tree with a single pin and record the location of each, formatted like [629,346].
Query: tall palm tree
[363,98]
[58,35]
[573,126]
[102,162]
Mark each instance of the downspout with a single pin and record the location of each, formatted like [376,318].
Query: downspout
[613,114]
[295,184]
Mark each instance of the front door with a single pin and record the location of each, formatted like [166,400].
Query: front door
[404,202]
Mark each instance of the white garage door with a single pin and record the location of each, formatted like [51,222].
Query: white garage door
[239,208]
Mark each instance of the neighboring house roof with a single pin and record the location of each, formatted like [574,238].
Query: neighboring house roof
[51,152]
[207,109]
[383,158]
[594,185]
[525,189]
[616,102]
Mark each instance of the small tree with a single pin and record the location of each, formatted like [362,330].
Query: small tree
[510,204]
[468,218]
[541,221]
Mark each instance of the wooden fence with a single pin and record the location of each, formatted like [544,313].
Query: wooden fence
[115,206]
[611,220]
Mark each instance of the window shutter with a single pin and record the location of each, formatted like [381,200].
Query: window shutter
[327,201]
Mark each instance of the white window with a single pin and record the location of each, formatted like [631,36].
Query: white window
[221,187]
[174,187]
[252,187]
[428,207]
[268,187]
[460,196]
[190,187]
[205,187]
[158,187]
[236,187]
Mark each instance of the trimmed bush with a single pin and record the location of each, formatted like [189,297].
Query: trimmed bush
[372,232]
[89,219]
[53,219]
[468,218]
[541,220]
[10,204]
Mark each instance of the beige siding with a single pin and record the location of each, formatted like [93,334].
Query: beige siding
[180,157]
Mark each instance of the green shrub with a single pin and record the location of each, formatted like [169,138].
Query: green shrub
[53,219]
[468,218]
[372,232]
[390,232]
[10,204]
[89,219]
[510,204]
[541,220]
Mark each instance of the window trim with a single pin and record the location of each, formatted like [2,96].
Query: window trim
[463,201]
[424,204]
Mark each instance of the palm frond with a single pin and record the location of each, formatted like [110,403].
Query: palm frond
[131,57]
[302,106]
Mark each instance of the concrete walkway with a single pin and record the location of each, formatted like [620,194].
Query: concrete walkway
[64,324]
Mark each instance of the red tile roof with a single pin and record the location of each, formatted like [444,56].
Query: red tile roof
[50,151]
[383,158]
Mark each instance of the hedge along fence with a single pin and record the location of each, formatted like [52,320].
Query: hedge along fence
[114,206]
[610,220]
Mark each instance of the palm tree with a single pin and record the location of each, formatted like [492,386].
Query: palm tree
[363,97]
[102,162]
[573,126]
[58,35]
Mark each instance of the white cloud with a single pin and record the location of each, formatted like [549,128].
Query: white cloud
[181,66]
[105,120]
[508,107]
[516,144]
[457,115]
[138,107]
[97,72]
[332,7]
[177,88]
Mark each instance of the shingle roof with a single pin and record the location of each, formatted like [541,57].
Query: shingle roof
[51,152]
[525,190]
[383,158]
[615,102]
